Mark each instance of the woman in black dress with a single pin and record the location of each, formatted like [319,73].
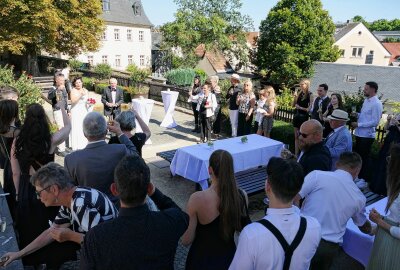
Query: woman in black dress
[33,148]
[216,90]
[215,215]
[302,102]
[8,131]
[196,89]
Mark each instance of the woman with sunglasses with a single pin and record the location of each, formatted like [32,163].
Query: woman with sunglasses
[386,250]
[33,148]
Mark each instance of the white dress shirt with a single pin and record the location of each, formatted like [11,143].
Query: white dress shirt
[369,117]
[258,248]
[333,198]
[113,95]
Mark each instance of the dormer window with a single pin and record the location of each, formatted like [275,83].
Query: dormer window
[137,9]
[106,5]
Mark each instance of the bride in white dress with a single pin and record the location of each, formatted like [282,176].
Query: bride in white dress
[79,109]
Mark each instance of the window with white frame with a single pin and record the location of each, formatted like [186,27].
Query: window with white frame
[130,59]
[141,60]
[104,59]
[118,60]
[90,60]
[357,52]
[106,5]
[141,35]
[116,34]
[342,53]
[104,36]
[129,34]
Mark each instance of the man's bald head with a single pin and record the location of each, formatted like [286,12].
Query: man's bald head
[310,133]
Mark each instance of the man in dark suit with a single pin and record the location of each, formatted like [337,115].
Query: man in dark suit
[314,154]
[321,103]
[94,165]
[112,99]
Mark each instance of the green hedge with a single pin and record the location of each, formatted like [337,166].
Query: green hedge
[181,76]
[283,132]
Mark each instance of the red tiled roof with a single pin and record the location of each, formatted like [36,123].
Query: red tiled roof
[251,38]
[216,59]
[394,49]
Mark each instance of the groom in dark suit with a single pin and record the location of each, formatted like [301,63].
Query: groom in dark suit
[112,99]
[94,165]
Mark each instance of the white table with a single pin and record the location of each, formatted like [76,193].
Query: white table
[191,162]
[169,99]
[357,244]
[143,107]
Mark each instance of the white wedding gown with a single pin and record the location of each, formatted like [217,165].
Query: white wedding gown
[78,113]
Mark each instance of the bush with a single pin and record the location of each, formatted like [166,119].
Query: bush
[201,73]
[137,74]
[99,87]
[74,64]
[28,91]
[356,99]
[284,98]
[283,132]
[180,76]
[103,70]
[88,83]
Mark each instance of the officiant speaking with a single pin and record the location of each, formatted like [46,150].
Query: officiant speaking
[112,99]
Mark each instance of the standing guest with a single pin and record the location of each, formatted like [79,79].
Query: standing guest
[57,92]
[215,214]
[206,106]
[9,129]
[33,148]
[112,99]
[196,89]
[261,244]
[216,90]
[79,109]
[378,184]
[321,102]
[339,140]
[336,103]
[302,102]
[259,111]
[81,210]
[386,250]
[246,101]
[333,198]
[138,238]
[368,120]
[314,154]
[232,94]
[127,123]
[94,165]
[8,92]
[268,112]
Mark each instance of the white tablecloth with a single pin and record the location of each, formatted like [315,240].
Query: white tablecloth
[191,162]
[143,106]
[169,99]
[357,244]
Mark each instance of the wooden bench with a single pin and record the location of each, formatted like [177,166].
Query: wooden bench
[371,197]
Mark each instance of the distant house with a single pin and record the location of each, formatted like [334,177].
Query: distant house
[349,78]
[359,46]
[127,37]
[160,63]
[251,43]
[381,35]
[212,62]
[394,49]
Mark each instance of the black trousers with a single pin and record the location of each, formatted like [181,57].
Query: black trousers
[217,121]
[205,127]
[324,256]
[244,127]
[196,115]
[363,148]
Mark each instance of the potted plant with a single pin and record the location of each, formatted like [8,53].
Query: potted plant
[137,91]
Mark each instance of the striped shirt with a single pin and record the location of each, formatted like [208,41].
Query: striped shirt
[89,207]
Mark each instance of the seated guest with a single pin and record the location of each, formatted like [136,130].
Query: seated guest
[261,243]
[339,140]
[94,165]
[138,238]
[81,209]
[215,214]
[333,198]
[386,250]
[314,155]
[127,123]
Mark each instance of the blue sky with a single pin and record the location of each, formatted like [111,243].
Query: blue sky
[162,11]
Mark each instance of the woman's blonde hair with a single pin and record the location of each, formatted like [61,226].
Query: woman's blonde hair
[250,83]
[271,93]
[306,82]
[214,78]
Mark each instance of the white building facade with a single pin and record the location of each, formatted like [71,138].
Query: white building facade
[126,39]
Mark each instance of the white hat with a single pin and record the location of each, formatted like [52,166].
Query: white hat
[235,76]
[339,115]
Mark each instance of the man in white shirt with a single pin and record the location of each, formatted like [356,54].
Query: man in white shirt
[368,120]
[333,198]
[259,245]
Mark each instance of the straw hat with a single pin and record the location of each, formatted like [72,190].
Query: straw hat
[339,115]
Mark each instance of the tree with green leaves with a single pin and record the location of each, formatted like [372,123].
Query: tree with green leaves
[218,24]
[67,26]
[379,25]
[295,34]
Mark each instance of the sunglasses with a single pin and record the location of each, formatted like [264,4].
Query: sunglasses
[40,191]
[304,135]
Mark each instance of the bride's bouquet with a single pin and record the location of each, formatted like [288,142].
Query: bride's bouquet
[90,104]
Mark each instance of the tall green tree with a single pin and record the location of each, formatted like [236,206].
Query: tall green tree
[295,34]
[59,26]
[379,25]
[218,24]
